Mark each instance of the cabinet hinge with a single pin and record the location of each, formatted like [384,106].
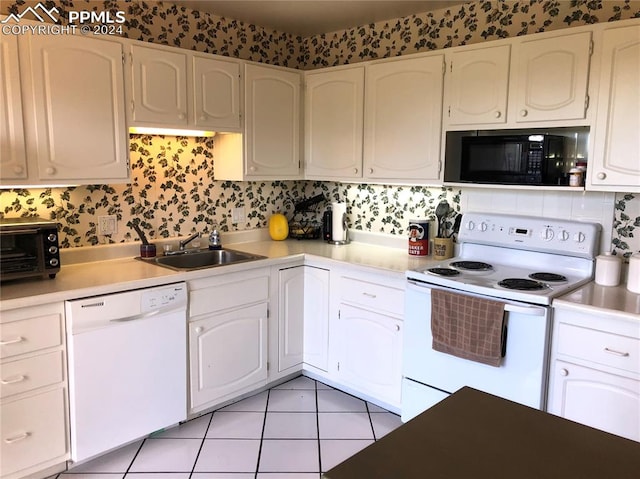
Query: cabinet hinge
[449,111]
[586,103]
[444,67]
[590,47]
[268,365]
[439,167]
[124,59]
[451,67]
[338,314]
[338,366]
[268,313]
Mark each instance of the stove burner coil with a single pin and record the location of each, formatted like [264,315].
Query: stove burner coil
[522,284]
[472,265]
[444,271]
[548,277]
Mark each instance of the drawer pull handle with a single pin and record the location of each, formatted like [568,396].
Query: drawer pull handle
[19,339]
[617,353]
[11,440]
[17,379]
[369,295]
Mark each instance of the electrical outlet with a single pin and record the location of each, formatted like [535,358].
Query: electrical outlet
[107,225]
[238,215]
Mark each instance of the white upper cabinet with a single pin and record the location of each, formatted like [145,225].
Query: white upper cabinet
[551,78]
[158,93]
[334,104]
[75,117]
[519,83]
[403,118]
[615,164]
[216,96]
[272,121]
[13,156]
[478,85]
[270,146]
[171,88]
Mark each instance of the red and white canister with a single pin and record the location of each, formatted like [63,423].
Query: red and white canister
[418,237]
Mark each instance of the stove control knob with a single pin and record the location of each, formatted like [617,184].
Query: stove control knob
[564,235]
[579,237]
[471,225]
[483,226]
[546,234]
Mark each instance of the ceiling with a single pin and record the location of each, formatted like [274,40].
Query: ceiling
[311,17]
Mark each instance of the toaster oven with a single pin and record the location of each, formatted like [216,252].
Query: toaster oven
[28,248]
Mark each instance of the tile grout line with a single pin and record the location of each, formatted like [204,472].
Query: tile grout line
[264,425]
[318,428]
[204,438]
[134,458]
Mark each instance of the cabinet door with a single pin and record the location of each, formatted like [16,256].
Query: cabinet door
[597,399]
[369,358]
[80,126]
[272,122]
[479,86]
[228,354]
[551,78]
[13,159]
[216,93]
[334,104]
[316,317]
[158,93]
[616,147]
[403,118]
[291,317]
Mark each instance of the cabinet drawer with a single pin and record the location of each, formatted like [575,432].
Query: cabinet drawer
[31,373]
[229,295]
[32,431]
[372,296]
[622,352]
[24,336]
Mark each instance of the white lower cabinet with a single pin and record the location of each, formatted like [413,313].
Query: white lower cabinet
[228,317]
[366,336]
[369,353]
[33,392]
[595,371]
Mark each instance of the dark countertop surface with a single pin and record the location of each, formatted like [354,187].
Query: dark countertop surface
[472,434]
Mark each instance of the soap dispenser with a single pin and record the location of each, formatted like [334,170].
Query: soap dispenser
[214,237]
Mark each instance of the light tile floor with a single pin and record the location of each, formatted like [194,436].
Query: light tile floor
[293,431]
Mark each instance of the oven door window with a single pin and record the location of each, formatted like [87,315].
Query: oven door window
[19,253]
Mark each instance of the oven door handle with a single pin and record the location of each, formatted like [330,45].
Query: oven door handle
[528,310]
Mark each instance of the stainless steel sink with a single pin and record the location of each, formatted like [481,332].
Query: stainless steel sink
[201,259]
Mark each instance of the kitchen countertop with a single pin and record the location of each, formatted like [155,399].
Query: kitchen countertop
[474,434]
[593,298]
[108,276]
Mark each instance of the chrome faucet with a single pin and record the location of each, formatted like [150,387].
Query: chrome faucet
[182,244]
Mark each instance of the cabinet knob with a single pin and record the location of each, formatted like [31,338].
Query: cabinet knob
[51,171]
[252,169]
[199,329]
[355,171]
[498,114]
[523,113]
[397,327]
[203,117]
[602,175]
[370,170]
[564,372]
[181,116]
[18,169]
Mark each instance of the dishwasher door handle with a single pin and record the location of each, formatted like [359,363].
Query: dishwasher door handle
[136,317]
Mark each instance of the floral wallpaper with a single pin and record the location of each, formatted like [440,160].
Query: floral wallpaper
[174,190]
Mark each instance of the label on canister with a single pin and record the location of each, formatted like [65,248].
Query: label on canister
[418,237]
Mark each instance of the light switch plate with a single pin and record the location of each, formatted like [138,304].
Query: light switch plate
[238,215]
[107,225]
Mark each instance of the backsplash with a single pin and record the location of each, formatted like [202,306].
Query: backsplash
[174,191]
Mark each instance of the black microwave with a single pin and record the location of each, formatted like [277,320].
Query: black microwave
[28,248]
[522,159]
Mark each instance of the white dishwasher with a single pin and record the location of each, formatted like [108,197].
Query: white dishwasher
[127,366]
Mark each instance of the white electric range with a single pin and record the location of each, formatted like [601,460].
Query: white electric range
[522,261]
